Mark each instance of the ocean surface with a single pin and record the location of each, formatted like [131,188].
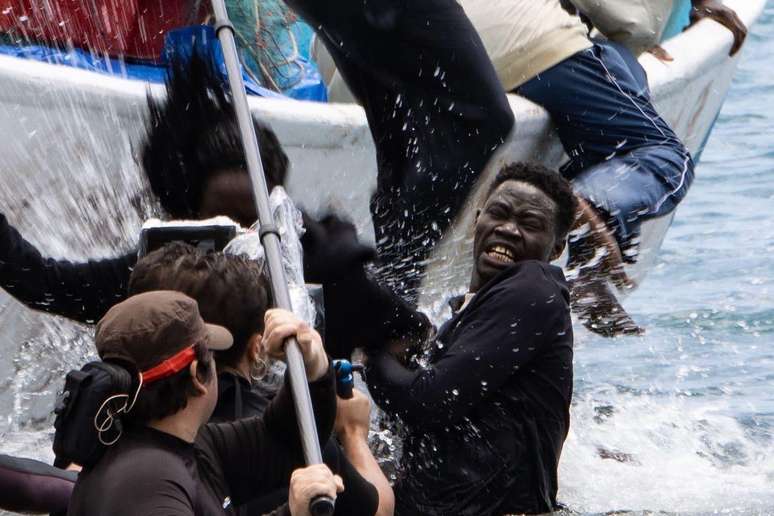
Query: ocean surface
[690,405]
[683,416]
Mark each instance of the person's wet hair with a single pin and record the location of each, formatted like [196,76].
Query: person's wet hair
[549,182]
[169,396]
[192,136]
[232,291]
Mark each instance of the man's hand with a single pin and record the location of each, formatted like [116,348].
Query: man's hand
[282,324]
[661,54]
[332,250]
[724,16]
[353,416]
[309,483]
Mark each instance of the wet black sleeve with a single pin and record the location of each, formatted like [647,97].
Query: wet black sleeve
[435,108]
[79,291]
[259,454]
[499,333]
[359,311]
[360,497]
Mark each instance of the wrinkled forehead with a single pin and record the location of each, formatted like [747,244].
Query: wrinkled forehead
[522,195]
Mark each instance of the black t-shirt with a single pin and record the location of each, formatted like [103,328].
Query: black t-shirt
[149,473]
[238,398]
[487,419]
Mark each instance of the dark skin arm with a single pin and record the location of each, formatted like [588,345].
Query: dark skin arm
[723,15]
[490,347]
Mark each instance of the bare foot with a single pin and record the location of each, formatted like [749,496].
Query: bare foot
[599,310]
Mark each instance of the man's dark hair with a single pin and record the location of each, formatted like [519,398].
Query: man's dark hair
[549,182]
[169,396]
[232,291]
[193,135]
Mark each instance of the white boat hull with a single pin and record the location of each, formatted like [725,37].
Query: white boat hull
[71,183]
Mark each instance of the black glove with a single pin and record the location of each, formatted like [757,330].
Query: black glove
[359,312]
[332,250]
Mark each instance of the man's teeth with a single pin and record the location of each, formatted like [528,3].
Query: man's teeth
[501,254]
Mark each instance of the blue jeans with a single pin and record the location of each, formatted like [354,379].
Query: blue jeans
[624,158]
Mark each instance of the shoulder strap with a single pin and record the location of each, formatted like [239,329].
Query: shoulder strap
[237,398]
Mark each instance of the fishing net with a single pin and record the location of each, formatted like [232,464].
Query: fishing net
[274,43]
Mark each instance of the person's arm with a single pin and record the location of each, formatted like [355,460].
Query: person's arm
[352,426]
[31,486]
[359,311]
[500,333]
[264,451]
[723,15]
[436,110]
[83,292]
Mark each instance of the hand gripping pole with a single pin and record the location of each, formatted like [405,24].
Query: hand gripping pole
[323,505]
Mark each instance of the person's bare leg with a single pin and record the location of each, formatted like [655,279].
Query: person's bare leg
[596,263]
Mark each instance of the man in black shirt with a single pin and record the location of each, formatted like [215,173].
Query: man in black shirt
[435,108]
[169,461]
[487,418]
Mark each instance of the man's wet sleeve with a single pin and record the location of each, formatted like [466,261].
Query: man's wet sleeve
[435,107]
[83,292]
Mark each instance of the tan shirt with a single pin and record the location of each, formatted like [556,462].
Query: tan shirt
[636,24]
[525,37]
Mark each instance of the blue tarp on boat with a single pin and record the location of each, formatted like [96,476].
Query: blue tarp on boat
[178,41]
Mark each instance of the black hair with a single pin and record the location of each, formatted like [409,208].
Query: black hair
[231,291]
[550,182]
[170,395]
[193,135]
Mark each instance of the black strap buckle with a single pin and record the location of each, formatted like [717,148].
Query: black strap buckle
[221,25]
[267,229]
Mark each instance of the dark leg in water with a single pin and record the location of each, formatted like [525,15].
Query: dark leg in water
[435,108]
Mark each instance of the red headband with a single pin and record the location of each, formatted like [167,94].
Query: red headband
[170,366]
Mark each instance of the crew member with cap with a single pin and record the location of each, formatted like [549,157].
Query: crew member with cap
[168,460]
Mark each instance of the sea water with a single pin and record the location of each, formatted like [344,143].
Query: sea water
[688,409]
[680,420]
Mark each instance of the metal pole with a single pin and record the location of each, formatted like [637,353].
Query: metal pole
[271,244]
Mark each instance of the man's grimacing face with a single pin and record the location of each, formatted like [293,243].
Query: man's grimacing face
[517,222]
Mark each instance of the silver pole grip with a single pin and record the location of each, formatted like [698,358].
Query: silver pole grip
[269,235]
